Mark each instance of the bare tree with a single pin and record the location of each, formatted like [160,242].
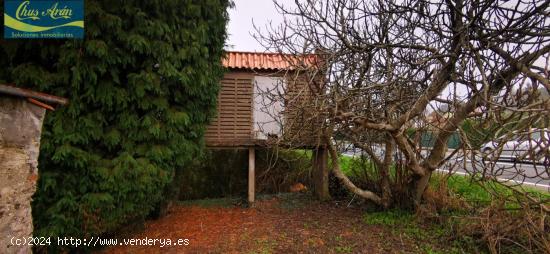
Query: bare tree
[386,64]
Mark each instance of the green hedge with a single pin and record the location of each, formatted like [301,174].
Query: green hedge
[224,173]
[142,86]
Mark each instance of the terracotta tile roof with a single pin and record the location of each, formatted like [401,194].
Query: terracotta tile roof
[265,61]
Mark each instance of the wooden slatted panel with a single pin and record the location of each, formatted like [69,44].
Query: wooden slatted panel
[301,119]
[233,124]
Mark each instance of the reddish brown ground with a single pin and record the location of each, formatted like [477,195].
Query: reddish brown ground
[274,225]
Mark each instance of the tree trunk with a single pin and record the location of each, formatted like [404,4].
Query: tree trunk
[369,195]
[419,186]
[320,173]
[385,174]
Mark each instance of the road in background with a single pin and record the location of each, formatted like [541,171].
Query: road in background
[526,173]
[512,173]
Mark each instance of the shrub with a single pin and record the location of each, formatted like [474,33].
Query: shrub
[224,173]
[215,174]
[142,86]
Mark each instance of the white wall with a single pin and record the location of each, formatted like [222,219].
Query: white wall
[268,106]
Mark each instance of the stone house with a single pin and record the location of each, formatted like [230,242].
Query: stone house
[21,114]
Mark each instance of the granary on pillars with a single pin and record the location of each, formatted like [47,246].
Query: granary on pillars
[266,100]
[21,114]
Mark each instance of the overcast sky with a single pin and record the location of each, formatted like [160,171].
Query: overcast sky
[240,25]
[261,13]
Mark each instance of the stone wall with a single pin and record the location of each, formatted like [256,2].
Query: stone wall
[20,128]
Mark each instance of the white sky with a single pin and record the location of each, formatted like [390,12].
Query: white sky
[240,28]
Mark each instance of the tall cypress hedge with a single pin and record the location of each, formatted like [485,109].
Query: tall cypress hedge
[142,86]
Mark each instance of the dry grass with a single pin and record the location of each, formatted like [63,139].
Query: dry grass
[505,231]
[499,226]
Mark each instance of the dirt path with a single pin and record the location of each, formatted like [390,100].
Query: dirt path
[274,225]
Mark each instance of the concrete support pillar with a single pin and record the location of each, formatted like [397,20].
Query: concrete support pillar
[320,173]
[251,174]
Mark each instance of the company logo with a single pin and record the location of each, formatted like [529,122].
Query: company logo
[43,19]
